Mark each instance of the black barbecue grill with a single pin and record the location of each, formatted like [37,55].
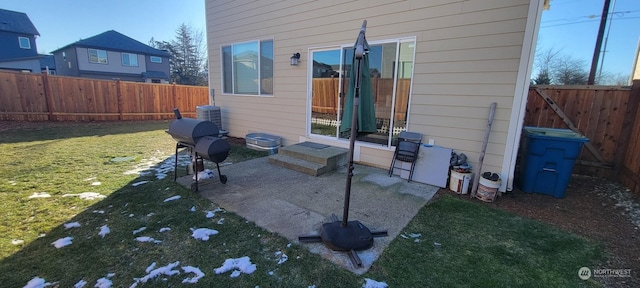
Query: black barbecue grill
[200,138]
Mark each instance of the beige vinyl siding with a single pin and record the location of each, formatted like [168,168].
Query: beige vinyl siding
[467,56]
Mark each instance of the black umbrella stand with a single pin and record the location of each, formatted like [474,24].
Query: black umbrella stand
[348,235]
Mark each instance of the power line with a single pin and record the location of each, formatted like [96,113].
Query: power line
[586,21]
[592,16]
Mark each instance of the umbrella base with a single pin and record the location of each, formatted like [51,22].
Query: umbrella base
[355,236]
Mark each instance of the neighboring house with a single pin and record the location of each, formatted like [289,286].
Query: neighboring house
[18,51]
[440,64]
[48,64]
[112,55]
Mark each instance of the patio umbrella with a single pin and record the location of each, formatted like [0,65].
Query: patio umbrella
[348,235]
[366,121]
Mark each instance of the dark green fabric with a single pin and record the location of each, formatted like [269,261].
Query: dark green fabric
[366,110]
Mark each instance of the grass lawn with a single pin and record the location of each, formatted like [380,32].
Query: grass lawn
[450,243]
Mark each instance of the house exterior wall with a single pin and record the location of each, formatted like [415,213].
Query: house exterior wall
[67,65]
[11,47]
[468,55]
[162,67]
[32,65]
[114,63]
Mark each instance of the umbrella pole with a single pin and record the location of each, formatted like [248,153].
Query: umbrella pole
[352,141]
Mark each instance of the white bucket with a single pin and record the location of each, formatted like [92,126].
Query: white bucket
[487,190]
[459,182]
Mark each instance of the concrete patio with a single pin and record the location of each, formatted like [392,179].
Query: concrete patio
[292,204]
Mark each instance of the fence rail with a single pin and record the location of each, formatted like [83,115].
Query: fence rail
[41,97]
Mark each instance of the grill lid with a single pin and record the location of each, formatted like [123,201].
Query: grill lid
[189,130]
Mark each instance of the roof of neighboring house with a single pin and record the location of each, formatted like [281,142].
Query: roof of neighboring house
[47,61]
[113,40]
[17,22]
[155,74]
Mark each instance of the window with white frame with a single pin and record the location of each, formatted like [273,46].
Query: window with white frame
[155,59]
[247,68]
[97,56]
[24,42]
[129,59]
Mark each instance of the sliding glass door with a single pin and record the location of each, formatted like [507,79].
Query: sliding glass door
[391,70]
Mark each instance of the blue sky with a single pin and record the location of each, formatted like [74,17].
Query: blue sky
[570,26]
[61,22]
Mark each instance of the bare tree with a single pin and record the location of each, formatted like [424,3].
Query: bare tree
[570,71]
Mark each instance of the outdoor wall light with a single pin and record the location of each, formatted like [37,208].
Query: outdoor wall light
[294,59]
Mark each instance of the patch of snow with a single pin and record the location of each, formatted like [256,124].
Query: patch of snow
[37,282]
[203,233]
[86,195]
[80,284]
[147,239]
[62,242]
[139,230]
[13,182]
[239,265]
[161,167]
[17,241]
[139,183]
[220,221]
[151,214]
[164,270]
[282,257]
[150,267]
[415,235]
[193,209]
[211,214]
[131,215]
[195,270]
[164,229]
[288,245]
[370,283]
[270,273]
[71,225]
[39,195]
[104,230]
[206,174]
[172,198]
[103,283]
[98,211]
[97,183]
[626,201]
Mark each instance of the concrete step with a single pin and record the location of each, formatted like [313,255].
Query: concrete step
[300,165]
[310,158]
[318,153]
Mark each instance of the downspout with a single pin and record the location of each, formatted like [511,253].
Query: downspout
[521,92]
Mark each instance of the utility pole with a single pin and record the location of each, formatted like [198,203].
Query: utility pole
[596,51]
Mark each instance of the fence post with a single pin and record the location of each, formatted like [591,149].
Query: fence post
[175,95]
[47,95]
[120,104]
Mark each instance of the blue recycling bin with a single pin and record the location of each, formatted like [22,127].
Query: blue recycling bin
[547,159]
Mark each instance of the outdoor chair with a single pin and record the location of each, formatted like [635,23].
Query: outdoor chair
[406,151]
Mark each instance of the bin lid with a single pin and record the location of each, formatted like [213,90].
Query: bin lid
[555,133]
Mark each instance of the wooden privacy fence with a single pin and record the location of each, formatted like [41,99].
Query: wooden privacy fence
[325,96]
[36,97]
[608,116]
